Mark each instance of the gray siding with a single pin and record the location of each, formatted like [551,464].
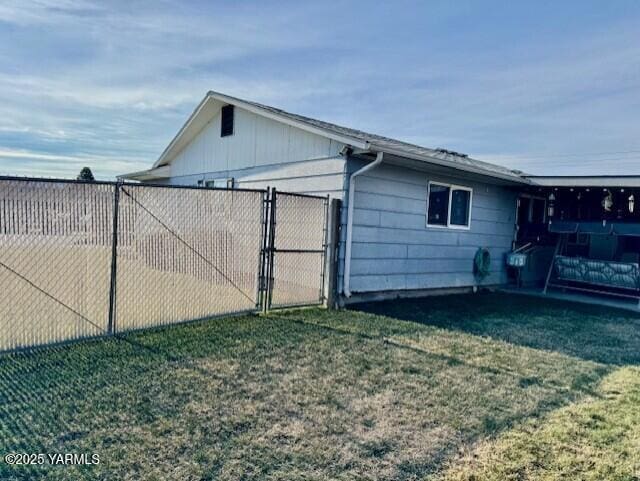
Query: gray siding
[393,249]
[316,177]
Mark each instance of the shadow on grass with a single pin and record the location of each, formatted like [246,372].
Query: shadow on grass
[306,394]
[463,386]
[594,333]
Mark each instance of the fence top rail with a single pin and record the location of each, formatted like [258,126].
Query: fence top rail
[188,187]
[125,184]
[50,180]
[147,184]
[296,194]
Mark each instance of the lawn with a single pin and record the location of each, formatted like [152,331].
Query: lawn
[487,386]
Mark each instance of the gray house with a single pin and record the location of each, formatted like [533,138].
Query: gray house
[413,218]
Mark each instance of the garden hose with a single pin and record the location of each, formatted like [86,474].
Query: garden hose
[482,263]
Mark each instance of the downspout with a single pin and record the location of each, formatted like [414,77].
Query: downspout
[347,255]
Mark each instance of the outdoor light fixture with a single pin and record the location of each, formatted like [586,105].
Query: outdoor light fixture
[551,209]
[631,203]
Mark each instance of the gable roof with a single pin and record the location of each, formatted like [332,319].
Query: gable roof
[356,138]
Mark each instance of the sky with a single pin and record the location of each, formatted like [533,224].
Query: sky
[546,87]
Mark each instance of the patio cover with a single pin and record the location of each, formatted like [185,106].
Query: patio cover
[595,228]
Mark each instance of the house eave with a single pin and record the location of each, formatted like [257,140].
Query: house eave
[456,166]
[345,139]
[585,180]
[162,172]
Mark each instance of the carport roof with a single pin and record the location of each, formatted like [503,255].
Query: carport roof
[585,180]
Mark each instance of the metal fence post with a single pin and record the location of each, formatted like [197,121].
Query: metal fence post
[325,246]
[333,253]
[271,248]
[262,281]
[111,327]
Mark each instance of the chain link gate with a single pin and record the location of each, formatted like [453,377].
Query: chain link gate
[186,253]
[296,261]
[85,259]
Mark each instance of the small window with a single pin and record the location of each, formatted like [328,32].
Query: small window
[231,183]
[210,183]
[449,206]
[226,121]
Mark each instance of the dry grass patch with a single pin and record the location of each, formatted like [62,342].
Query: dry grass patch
[299,395]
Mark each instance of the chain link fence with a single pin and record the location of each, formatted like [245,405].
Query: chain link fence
[86,259]
[55,261]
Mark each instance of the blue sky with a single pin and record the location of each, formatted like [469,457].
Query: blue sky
[546,87]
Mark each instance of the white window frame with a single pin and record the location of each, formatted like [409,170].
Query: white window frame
[219,183]
[451,187]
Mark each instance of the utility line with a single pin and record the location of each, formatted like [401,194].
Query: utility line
[574,161]
[554,156]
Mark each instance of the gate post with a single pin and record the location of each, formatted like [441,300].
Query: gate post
[263,283]
[271,248]
[114,259]
[333,254]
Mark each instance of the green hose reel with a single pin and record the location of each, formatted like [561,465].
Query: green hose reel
[482,263]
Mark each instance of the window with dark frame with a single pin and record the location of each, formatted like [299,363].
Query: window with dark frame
[226,121]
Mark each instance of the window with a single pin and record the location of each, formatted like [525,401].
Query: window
[226,121]
[228,182]
[438,205]
[460,203]
[448,206]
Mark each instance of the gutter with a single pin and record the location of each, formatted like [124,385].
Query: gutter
[347,256]
[431,159]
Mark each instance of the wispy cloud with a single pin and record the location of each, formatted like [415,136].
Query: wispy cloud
[13,162]
[44,11]
[109,83]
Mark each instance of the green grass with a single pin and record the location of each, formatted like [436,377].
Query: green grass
[595,440]
[464,387]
